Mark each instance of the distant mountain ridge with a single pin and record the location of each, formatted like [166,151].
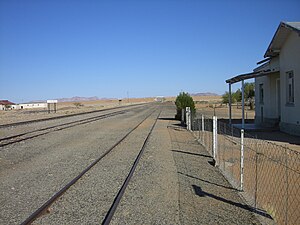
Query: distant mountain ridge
[75,99]
[205,94]
[95,98]
[82,99]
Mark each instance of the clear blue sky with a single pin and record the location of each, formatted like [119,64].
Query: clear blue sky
[58,48]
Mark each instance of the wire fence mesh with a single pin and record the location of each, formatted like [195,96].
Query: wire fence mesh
[268,173]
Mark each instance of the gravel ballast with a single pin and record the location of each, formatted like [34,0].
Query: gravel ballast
[174,182]
[88,201]
[32,171]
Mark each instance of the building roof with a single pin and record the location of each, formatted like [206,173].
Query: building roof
[6,102]
[281,34]
[294,25]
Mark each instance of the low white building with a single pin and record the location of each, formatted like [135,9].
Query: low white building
[5,104]
[32,105]
[277,81]
[278,93]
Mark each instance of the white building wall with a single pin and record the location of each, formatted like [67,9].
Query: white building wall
[290,61]
[32,105]
[267,108]
[15,107]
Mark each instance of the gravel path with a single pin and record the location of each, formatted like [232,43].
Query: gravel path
[175,184]
[205,195]
[152,194]
[32,171]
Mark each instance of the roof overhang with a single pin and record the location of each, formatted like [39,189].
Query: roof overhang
[247,76]
[283,31]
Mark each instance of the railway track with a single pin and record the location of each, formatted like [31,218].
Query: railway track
[41,210]
[65,116]
[39,132]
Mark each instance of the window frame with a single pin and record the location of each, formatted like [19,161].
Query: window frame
[261,93]
[290,88]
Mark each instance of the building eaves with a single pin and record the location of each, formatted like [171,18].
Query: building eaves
[294,26]
[280,36]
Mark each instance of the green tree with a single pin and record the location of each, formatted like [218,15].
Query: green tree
[225,98]
[182,101]
[250,93]
[235,96]
[249,90]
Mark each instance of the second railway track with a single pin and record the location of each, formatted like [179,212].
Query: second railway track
[110,212]
[39,132]
[22,136]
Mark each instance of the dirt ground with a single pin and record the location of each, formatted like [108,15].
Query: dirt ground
[274,136]
[222,111]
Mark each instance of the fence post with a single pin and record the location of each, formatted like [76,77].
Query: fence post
[188,118]
[198,121]
[242,160]
[215,141]
[202,128]
[182,116]
[194,121]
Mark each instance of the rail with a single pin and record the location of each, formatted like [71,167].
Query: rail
[58,194]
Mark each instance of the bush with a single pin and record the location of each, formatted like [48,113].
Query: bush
[77,104]
[184,100]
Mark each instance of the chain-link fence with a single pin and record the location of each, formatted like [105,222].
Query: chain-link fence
[267,173]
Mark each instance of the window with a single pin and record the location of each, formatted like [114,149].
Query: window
[290,87]
[261,93]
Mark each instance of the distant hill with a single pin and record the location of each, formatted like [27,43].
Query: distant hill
[205,94]
[76,99]
[82,99]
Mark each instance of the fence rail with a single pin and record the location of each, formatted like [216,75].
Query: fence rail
[267,173]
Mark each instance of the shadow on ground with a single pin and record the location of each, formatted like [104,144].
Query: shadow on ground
[198,191]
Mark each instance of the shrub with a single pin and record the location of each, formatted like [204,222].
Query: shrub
[184,100]
[78,104]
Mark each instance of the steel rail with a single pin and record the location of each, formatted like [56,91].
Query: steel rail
[59,127]
[65,116]
[121,192]
[47,204]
